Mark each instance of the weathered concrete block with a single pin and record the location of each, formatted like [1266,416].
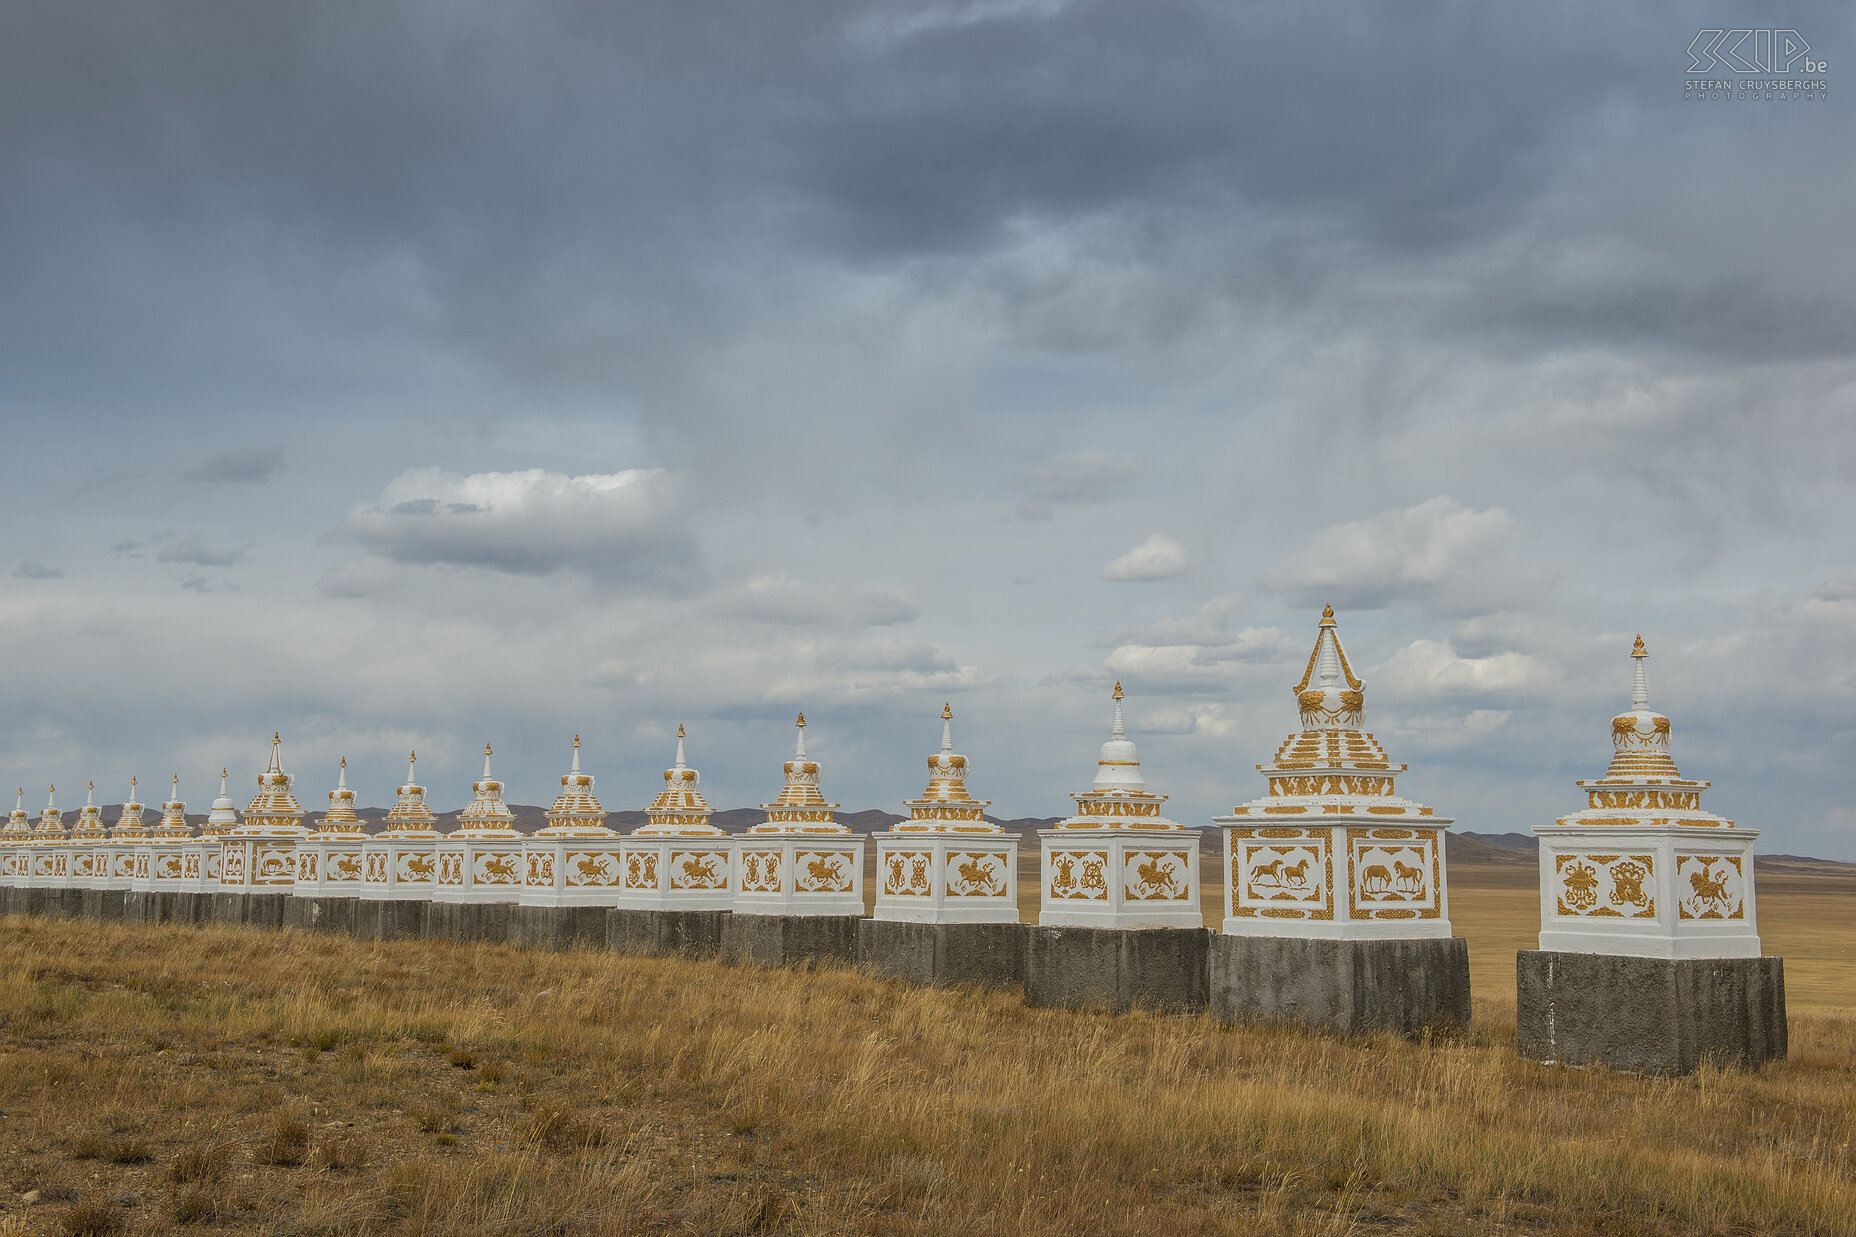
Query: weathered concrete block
[1116,968]
[148,907]
[259,910]
[469,921]
[791,940]
[389,919]
[102,905]
[990,955]
[1343,987]
[693,934]
[307,913]
[558,927]
[1649,1015]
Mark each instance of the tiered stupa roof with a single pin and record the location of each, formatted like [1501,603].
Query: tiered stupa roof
[224,817]
[1118,798]
[409,814]
[576,813]
[1331,766]
[89,824]
[18,822]
[1643,785]
[274,807]
[487,816]
[51,821]
[800,807]
[173,823]
[946,807]
[341,816]
[129,826]
[679,807]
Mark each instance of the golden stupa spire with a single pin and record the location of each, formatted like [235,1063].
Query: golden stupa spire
[487,815]
[680,806]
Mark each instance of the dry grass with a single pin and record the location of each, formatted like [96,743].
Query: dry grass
[612,1094]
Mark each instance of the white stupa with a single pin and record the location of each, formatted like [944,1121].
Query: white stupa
[1333,851]
[15,838]
[947,863]
[119,859]
[208,844]
[1118,863]
[677,860]
[799,860]
[332,860]
[481,860]
[401,861]
[88,839]
[1642,871]
[51,846]
[169,853]
[259,852]
[574,860]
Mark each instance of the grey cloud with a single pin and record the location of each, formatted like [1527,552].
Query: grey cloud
[128,549]
[626,526]
[31,569]
[1438,552]
[1157,558]
[196,551]
[240,466]
[785,602]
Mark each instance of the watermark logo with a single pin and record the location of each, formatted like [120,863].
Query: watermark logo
[1767,66]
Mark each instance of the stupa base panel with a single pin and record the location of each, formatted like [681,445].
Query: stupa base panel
[990,955]
[264,910]
[1116,968]
[1343,987]
[469,921]
[1649,1015]
[693,934]
[321,913]
[390,919]
[558,927]
[791,940]
[104,904]
[166,906]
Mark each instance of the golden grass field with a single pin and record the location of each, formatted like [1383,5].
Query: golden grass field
[238,1080]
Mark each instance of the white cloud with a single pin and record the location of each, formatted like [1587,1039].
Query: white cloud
[612,526]
[1405,554]
[1157,558]
[786,602]
[1431,670]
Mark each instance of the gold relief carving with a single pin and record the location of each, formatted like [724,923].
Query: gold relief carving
[347,867]
[306,865]
[1089,885]
[1396,914]
[275,867]
[1158,876]
[1278,912]
[376,869]
[497,869]
[1283,811]
[1715,887]
[1391,833]
[760,871]
[824,872]
[451,867]
[641,870]
[415,869]
[1352,702]
[591,868]
[907,874]
[977,875]
[541,869]
[1280,833]
[1622,728]
[1386,811]
[1390,875]
[697,870]
[170,868]
[1309,701]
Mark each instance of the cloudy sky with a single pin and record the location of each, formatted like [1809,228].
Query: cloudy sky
[411,375]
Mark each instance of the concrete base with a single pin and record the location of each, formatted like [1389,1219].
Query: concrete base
[469,921]
[151,907]
[991,955]
[694,934]
[310,913]
[1344,987]
[558,927]
[260,910]
[1116,968]
[790,940]
[1649,1015]
[389,919]
[103,905]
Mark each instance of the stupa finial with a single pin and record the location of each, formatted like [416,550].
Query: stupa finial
[412,759]
[680,763]
[486,762]
[947,727]
[277,743]
[341,782]
[1640,681]
[576,767]
[799,750]
[1121,730]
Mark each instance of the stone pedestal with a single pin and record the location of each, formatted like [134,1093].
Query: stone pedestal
[311,913]
[936,877]
[798,874]
[1342,987]
[671,872]
[988,955]
[258,910]
[693,934]
[1117,968]
[103,905]
[478,871]
[790,940]
[558,927]
[150,907]
[1649,1015]
[469,921]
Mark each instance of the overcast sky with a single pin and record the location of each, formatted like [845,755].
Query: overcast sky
[404,376]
